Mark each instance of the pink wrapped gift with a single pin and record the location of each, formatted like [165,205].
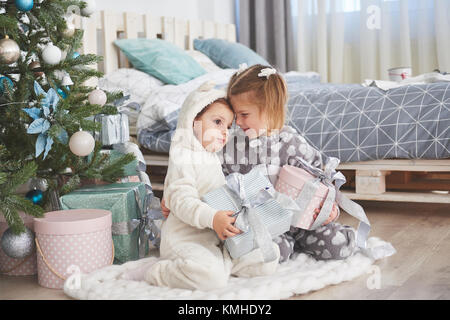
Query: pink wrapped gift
[17,267]
[290,182]
[72,241]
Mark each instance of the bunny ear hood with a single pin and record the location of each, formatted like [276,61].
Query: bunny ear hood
[194,103]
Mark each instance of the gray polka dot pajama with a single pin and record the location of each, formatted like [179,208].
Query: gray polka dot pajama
[333,241]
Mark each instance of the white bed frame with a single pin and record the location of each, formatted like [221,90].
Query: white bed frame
[104,27]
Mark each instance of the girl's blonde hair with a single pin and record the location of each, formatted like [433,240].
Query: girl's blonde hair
[269,93]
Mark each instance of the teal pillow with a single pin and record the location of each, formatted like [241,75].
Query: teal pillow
[228,55]
[161,59]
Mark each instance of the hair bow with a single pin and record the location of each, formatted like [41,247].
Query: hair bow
[267,72]
[242,68]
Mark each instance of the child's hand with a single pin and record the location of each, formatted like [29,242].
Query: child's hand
[223,224]
[165,210]
[333,215]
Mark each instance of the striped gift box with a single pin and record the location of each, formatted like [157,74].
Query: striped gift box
[276,219]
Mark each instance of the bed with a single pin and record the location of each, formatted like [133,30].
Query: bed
[394,145]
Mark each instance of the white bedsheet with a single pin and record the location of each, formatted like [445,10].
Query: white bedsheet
[166,99]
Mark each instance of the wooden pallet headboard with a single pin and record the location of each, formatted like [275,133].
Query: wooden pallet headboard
[103,27]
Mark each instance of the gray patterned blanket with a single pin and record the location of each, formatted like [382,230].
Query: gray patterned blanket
[356,123]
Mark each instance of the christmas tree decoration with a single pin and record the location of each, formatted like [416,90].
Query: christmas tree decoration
[18,246]
[90,8]
[36,65]
[4,80]
[39,184]
[81,143]
[24,5]
[69,31]
[36,196]
[66,81]
[62,93]
[75,55]
[9,51]
[42,120]
[98,97]
[64,77]
[51,54]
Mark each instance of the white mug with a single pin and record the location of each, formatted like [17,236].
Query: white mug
[400,73]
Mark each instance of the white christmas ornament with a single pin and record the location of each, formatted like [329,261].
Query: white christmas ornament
[91,5]
[81,143]
[51,54]
[67,81]
[97,97]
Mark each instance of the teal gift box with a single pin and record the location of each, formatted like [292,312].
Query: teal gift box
[125,201]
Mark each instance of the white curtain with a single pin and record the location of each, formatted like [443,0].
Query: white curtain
[348,41]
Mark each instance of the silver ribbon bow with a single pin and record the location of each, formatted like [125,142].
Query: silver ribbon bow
[327,177]
[247,216]
[149,211]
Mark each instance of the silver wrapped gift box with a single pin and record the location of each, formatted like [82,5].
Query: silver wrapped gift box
[260,216]
[115,129]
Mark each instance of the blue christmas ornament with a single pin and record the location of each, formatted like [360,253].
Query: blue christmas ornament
[62,93]
[24,5]
[2,86]
[75,55]
[35,196]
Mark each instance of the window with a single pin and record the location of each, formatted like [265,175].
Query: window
[352,5]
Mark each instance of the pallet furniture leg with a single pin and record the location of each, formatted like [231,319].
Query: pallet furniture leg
[370,181]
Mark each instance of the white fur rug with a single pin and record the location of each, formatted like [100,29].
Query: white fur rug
[297,276]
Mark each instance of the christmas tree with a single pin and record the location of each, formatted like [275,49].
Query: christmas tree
[45,106]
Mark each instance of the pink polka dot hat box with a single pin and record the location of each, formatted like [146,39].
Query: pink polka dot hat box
[290,182]
[71,241]
[17,267]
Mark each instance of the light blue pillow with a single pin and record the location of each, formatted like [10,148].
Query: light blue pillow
[228,55]
[161,59]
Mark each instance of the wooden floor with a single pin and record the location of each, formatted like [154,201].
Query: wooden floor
[420,269]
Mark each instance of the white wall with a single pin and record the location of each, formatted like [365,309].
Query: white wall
[215,10]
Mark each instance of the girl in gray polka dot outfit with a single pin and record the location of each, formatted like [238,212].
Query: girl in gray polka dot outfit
[258,95]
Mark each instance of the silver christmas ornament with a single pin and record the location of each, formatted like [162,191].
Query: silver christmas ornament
[38,183]
[18,246]
[9,51]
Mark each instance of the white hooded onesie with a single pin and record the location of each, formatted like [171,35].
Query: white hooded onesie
[192,256]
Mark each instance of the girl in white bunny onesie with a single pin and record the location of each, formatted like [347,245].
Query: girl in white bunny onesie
[192,255]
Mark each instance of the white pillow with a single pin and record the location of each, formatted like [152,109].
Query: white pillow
[203,60]
[131,82]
